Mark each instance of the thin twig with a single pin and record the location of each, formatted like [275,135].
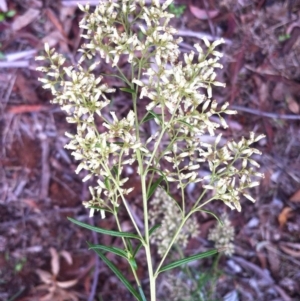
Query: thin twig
[199,35]
[211,26]
[256,269]
[266,114]
[46,174]
[14,56]
[17,64]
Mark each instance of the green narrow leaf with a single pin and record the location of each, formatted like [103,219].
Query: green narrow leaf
[119,275]
[113,250]
[151,115]
[140,244]
[132,262]
[129,245]
[142,293]
[153,187]
[184,122]
[186,260]
[120,143]
[106,183]
[162,174]
[129,90]
[118,252]
[104,231]
[115,170]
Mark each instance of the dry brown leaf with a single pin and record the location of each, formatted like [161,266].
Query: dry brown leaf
[295,197]
[203,14]
[54,261]
[67,256]
[284,215]
[45,276]
[21,21]
[66,284]
[292,104]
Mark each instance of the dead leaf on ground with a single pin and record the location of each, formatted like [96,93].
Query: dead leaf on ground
[45,276]
[284,215]
[295,197]
[56,289]
[66,284]
[21,21]
[54,261]
[292,249]
[67,256]
[292,103]
[203,14]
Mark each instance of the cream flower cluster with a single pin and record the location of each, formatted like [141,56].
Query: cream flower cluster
[223,235]
[179,100]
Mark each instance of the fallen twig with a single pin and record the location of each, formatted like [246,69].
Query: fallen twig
[266,114]
[18,64]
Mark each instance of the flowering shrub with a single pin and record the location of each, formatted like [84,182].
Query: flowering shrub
[179,105]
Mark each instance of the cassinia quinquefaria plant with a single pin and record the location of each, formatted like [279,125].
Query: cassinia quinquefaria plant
[179,104]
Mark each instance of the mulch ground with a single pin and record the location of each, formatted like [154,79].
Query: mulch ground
[39,188]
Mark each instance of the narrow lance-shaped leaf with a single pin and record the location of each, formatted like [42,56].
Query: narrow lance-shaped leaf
[151,115]
[119,275]
[118,252]
[186,260]
[162,174]
[142,293]
[128,90]
[113,250]
[153,187]
[104,231]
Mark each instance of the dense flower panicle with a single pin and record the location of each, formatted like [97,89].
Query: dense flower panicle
[223,235]
[165,211]
[180,102]
[180,287]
